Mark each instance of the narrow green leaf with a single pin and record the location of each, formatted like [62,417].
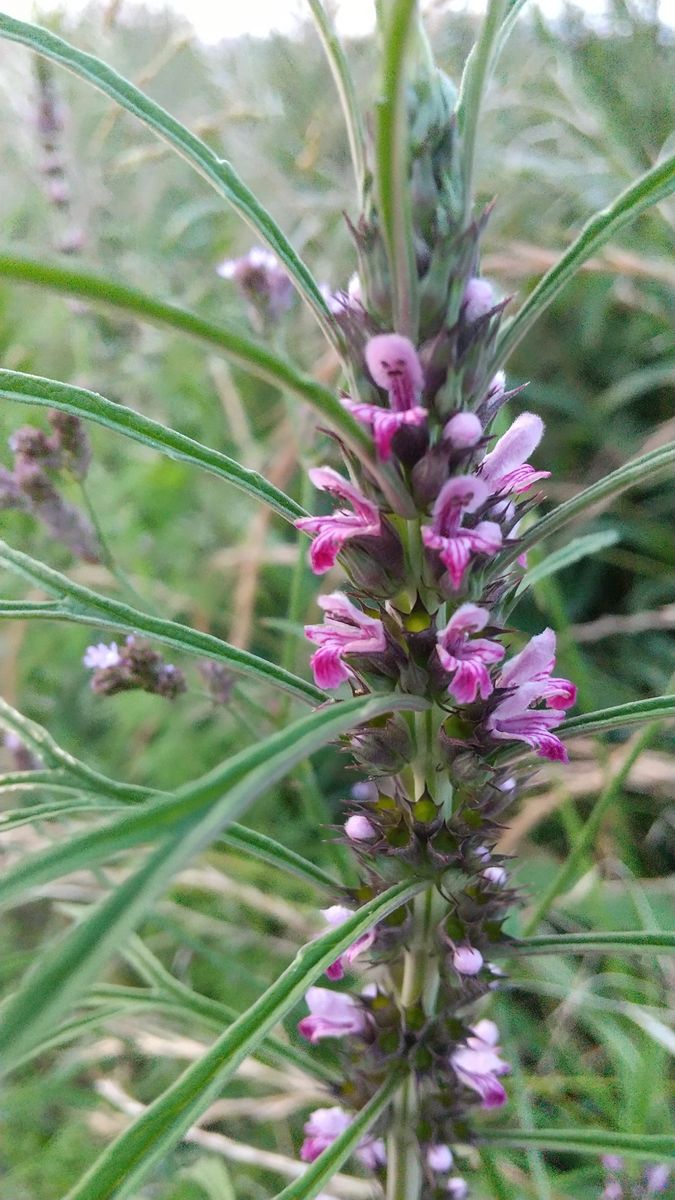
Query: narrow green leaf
[266,848]
[48,393]
[392,168]
[252,356]
[578,548]
[344,83]
[644,470]
[585,1141]
[12,818]
[622,714]
[327,1164]
[180,827]
[475,78]
[261,765]
[85,607]
[635,942]
[123,1165]
[217,171]
[655,185]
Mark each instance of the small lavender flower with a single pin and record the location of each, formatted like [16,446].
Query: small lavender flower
[395,367]
[359,829]
[325,1125]
[439,1158]
[135,665]
[657,1178]
[457,1188]
[466,658]
[463,430]
[334,530]
[345,631]
[261,280]
[478,1065]
[335,915]
[478,299]
[455,543]
[504,469]
[332,1015]
[100,657]
[466,960]
[528,676]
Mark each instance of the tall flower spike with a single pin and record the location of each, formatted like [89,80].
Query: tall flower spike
[334,530]
[504,469]
[467,658]
[446,534]
[346,630]
[394,365]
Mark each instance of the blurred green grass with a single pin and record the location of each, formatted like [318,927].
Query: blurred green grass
[575,113]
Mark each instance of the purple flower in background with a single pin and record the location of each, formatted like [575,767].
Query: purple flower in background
[322,1128]
[99,657]
[457,1188]
[495,875]
[335,915]
[394,365]
[657,1178]
[478,1065]
[261,279]
[332,1014]
[504,469]
[346,630]
[455,544]
[334,530]
[439,1158]
[467,658]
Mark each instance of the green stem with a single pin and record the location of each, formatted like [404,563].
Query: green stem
[404,1174]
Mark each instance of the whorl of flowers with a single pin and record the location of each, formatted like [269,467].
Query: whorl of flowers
[422,610]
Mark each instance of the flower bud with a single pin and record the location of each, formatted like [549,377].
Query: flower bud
[463,430]
[359,829]
[466,960]
[478,299]
[439,1158]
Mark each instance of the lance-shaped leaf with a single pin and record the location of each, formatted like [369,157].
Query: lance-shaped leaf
[327,1164]
[646,1146]
[159,817]
[123,1165]
[335,56]
[633,713]
[475,77]
[250,355]
[644,470]
[85,607]
[574,551]
[99,789]
[655,185]
[219,173]
[637,941]
[179,828]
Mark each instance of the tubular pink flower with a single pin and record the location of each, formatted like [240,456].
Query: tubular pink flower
[478,299]
[504,469]
[529,675]
[455,544]
[467,658]
[478,1065]
[334,916]
[463,430]
[359,829]
[346,630]
[334,530]
[393,363]
[325,1125]
[466,960]
[332,1014]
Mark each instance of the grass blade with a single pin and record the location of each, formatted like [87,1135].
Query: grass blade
[585,1141]
[574,551]
[327,1164]
[219,173]
[85,607]
[622,714]
[475,77]
[344,83]
[635,941]
[655,185]
[127,1161]
[643,470]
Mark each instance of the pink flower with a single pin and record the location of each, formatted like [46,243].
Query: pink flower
[346,630]
[332,1014]
[467,658]
[359,829]
[393,363]
[455,544]
[335,915]
[439,1158]
[504,469]
[529,675]
[466,960]
[325,1125]
[457,1188]
[463,430]
[261,279]
[478,299]
[478,1065]
[334,530]
[495,875]
[100,657]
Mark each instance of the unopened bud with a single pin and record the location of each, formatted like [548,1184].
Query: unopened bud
[467,961]
[478,299]
[359,829]
[463,430]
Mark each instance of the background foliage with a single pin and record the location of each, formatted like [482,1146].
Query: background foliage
[576,112]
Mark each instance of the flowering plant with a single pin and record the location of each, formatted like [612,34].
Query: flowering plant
[444,708]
